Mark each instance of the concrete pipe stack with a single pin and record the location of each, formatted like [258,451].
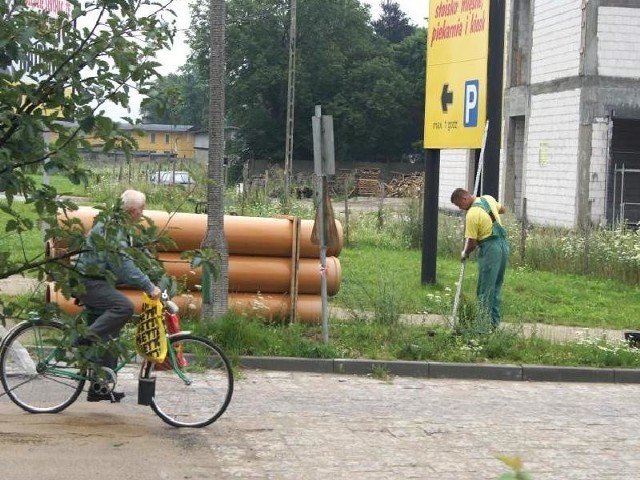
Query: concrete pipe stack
[274,268]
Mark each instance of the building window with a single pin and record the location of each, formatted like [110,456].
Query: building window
[152,138]
[167,139]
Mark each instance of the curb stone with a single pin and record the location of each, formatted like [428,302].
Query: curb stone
[438,370]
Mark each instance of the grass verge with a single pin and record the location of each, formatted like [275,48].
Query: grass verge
[240,335]
[388,280]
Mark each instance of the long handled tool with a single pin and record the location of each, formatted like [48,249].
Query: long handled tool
[456,301]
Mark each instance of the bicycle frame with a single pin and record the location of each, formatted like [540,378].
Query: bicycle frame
[58,352]
[41,372]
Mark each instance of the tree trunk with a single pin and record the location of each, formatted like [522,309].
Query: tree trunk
[215,299]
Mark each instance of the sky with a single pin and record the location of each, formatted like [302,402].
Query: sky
[416,10]
[174,58]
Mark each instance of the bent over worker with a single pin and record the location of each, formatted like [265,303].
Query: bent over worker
[484,230]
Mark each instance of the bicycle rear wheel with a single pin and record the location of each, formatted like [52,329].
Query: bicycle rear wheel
[34,370]
[194,385]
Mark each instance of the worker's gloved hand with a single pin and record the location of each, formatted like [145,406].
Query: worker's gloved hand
[463,255]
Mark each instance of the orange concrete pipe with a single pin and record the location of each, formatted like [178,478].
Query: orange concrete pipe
[260,274]
[245,235]
[268,306]
[54,249]
[276,305]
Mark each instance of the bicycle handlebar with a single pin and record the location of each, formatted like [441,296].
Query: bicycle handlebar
[169,305]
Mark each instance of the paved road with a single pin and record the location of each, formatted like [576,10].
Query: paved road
[283,425]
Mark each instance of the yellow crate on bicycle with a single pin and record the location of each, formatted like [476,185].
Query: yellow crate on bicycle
[151,338]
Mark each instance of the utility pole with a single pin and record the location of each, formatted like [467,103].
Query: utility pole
[291,95]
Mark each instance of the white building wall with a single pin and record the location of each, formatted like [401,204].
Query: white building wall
[551,158]
[619,42]
[598,170]
[453,174]
[557,34]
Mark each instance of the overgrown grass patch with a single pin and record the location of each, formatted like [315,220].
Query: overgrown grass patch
[240,335]
[570,299]
[61,183]
[376,279]
[24,246]
[609,253]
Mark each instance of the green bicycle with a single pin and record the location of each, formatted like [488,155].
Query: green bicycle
[191,388]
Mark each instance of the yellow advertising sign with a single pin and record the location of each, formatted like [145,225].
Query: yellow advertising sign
[456,91]
[51,6]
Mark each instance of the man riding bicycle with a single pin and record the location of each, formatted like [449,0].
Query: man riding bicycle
[97,266]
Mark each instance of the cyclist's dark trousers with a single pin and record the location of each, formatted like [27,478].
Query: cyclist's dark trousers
[101,295]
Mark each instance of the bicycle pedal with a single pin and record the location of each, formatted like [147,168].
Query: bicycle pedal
[116,396]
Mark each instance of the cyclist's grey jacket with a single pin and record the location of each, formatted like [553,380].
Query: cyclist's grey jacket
[95,264]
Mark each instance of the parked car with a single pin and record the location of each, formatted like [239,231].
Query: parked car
[171,177]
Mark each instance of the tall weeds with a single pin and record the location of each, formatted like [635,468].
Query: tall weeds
[609,253]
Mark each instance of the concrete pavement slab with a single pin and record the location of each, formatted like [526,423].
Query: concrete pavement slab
[308,426]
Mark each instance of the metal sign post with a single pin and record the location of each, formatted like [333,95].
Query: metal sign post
[324,164]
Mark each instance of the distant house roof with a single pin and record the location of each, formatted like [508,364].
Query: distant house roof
[158,127]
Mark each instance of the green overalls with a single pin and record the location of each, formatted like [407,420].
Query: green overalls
[492,263]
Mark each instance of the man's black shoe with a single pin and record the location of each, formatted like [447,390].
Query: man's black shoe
[82,342]
[113,397]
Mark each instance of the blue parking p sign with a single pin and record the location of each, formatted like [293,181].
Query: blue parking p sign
[471,103]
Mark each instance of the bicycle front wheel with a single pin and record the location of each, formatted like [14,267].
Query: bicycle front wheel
[194,385]
[36,372]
